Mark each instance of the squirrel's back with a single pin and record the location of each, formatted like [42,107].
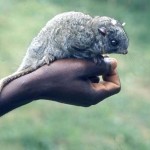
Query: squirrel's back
[61,31]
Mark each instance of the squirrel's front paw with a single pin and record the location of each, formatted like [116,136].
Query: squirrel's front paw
[98,59]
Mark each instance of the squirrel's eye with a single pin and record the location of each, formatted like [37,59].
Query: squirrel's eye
[114,42]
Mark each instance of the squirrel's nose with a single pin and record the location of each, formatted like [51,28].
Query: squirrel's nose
[125,52]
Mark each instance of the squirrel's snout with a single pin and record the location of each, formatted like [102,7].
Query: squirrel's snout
[125,52]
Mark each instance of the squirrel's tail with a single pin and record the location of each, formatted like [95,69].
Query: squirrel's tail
[23,71]
[15,75]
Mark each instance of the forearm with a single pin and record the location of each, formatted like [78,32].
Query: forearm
[14,95]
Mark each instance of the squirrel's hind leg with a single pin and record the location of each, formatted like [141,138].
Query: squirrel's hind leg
[48,59]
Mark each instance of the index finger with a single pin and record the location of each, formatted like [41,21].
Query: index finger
[109,86]
[80,67]
[88,68]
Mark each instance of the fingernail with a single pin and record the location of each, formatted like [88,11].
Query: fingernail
[112,62]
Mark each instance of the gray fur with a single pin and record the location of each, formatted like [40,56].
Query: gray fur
[71,35]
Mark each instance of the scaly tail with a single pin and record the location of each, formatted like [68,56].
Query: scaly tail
[16,75]
[19,73]
[6,80]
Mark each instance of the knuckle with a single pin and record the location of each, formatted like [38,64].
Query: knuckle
[117,89]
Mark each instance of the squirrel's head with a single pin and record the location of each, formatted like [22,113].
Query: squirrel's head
[110,35]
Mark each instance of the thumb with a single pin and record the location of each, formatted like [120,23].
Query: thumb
[112,75]
[112,62]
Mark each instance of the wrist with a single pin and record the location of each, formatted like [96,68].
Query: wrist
[15,94]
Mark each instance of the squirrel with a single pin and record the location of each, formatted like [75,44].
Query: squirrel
[72,35]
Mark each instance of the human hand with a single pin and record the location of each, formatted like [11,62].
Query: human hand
[76,82]
[69,81]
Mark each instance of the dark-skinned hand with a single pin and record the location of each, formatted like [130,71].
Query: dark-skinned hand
[69,81]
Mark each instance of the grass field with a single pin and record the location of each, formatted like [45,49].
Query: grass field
[120,122]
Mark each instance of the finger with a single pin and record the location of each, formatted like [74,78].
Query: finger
[80,68]
[90,69]
[111,80]
[110,86]
[112,62]
[112,75]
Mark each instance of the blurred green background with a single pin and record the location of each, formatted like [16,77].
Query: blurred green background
[121,122]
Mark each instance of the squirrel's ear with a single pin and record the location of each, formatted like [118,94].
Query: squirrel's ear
[102,30]
[123,24]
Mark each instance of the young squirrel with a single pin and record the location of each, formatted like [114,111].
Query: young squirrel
[72,35]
